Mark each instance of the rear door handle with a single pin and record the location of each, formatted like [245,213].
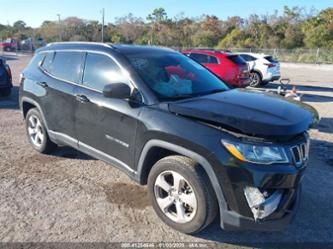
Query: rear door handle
[82,98]
[42,84]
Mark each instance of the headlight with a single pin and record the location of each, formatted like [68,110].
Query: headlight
[264,154]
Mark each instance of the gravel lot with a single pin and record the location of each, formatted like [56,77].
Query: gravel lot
[71,197]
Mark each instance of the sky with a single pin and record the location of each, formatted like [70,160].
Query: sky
[34,12]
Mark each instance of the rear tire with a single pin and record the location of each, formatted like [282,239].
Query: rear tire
[6,92]
[37,132]
[189,206]
[256,79]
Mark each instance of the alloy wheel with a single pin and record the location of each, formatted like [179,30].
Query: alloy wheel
[175,197]
[35,130]
[254,79]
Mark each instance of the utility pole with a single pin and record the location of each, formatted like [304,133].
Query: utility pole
[103,17]
[60,29]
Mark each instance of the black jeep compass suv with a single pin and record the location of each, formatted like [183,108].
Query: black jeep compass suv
[168,122]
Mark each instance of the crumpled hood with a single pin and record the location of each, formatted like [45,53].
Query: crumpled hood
[250,112]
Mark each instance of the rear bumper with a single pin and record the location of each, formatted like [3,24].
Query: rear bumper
[6,85]
[271,76]
[241,82]
[5,82]
[277,77]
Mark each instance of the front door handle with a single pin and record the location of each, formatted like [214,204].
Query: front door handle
[42,84]
[82,98]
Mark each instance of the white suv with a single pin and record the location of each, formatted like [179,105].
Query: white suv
[264,68]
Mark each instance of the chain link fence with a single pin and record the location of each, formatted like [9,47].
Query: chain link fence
[298,55]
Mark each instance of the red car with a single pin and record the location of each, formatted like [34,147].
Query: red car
[231,68]
[8,45]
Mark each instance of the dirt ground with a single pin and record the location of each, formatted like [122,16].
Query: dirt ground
[71,197]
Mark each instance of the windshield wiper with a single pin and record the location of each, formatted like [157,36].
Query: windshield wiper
[182,96]
[209,92]
[186,96]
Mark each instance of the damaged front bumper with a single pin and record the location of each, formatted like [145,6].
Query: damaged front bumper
[260,203]
[279,219]
[257,197]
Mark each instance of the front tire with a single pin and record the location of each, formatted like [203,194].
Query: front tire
[256,79]
[181,194]
[37,132]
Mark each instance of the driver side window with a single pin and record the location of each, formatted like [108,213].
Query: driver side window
[100,70]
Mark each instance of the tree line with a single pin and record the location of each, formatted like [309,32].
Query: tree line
[294,28]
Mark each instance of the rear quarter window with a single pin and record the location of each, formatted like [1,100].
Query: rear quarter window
[34,63]
[237,59]
[47,62]
[271,59]
[247,57]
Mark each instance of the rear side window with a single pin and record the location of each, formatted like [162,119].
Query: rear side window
[100,70]
[212,60]
[236,59]
[47,62]
[204,58]
[271,59]
[67,66]
[200,58]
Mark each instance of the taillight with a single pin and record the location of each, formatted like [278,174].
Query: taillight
[21,78]
[243,72]
[8,71]
[269,65]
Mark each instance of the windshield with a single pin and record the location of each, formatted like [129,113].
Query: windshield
[175,76]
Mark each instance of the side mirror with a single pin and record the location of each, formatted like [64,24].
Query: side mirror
[117,91]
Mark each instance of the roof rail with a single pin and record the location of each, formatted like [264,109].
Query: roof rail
[79,42]
[211,49]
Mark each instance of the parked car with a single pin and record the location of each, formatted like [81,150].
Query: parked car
[168,122]
[8,45]
[264,68]
[26,45]
[5,79]
[40,42]
[231,68]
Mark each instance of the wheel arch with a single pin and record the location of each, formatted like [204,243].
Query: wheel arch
[27,104]
[145,165]
[257,71]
